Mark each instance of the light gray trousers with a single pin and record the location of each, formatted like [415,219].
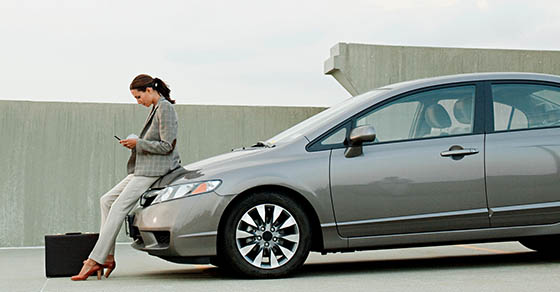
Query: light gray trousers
[115,205]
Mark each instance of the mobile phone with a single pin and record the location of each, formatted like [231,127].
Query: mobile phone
[117,138]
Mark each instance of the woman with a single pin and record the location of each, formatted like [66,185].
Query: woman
[153,155]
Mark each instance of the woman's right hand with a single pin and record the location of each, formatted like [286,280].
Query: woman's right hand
[129,143]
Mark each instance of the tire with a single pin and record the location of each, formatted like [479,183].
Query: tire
[543,244]
[266,235]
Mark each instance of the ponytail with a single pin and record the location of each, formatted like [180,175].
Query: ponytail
[162,88]
[143,81]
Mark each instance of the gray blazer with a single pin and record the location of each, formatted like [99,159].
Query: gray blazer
[155,153]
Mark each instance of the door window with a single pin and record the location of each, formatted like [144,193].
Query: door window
[525,106]
[433,113]
[336,138]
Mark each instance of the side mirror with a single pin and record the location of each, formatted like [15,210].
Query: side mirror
[357,137]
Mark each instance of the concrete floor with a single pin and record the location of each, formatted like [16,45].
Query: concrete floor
[482,267]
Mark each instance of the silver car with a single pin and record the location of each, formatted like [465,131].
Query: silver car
[453,159]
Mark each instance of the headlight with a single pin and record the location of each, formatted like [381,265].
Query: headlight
[179,191]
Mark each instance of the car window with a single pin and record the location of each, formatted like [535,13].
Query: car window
[525,106]
[399,116]
[433,113]
[336,138]
[507,117]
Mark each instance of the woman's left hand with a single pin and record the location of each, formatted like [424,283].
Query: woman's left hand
[129,143]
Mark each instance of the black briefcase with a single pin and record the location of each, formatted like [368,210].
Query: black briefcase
[65,253]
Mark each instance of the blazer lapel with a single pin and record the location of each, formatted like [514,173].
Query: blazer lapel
[149,119]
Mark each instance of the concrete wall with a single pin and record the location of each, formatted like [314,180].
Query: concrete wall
[57,159]
[360,67]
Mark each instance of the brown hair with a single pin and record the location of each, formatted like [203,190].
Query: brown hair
[143,81]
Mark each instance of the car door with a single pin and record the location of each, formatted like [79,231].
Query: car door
[523,153]
[424,172]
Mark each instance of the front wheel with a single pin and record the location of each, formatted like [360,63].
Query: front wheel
[267,235]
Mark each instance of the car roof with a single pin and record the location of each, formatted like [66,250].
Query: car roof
[457,78]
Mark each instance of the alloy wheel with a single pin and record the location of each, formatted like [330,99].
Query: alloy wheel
[267,236]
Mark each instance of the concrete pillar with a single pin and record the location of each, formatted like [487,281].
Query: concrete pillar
[361,67]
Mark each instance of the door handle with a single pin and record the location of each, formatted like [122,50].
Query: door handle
[459,152]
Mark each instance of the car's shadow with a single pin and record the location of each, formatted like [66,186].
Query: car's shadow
[426,264]
[375,266]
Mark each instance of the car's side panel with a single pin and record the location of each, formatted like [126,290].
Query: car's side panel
[448,237]
[409,187]
[523,177]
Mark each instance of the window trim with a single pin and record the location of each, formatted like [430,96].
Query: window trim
[489,102]
[316,145]
[478,126]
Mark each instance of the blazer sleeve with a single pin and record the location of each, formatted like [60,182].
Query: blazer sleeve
[167,132]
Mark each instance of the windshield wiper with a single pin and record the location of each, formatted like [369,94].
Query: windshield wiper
[259,144]
[263,144]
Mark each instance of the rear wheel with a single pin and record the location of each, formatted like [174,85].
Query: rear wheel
[266,235]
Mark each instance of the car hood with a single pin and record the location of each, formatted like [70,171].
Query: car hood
[208,168]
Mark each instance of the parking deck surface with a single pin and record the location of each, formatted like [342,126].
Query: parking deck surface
[482,267]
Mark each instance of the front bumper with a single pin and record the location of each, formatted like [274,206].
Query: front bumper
[181,228]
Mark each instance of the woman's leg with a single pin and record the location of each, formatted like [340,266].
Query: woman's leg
[106,201]
[118,211]
[105,204]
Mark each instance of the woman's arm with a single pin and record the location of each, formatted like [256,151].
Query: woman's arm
[167,132]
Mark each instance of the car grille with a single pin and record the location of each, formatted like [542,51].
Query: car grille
[132,230]
[162,237]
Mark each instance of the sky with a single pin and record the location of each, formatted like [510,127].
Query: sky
[236,52]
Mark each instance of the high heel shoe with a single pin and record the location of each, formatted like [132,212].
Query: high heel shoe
[110,266]
[96,268]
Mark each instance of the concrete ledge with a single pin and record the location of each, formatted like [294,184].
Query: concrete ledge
[361,67]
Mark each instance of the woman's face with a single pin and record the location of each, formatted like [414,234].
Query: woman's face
[144,98]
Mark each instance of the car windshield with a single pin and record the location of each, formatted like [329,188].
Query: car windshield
[320,118]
